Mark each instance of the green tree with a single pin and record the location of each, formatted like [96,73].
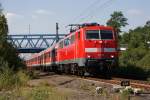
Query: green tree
[1,9]
[125,38]
[7,51]
[136,57]
[3,27]
[117,21]
[148,23]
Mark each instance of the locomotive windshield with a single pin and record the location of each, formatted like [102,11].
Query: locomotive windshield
[106,34]
[99,34]
[92,34]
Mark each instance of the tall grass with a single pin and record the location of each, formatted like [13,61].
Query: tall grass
[13,86]
[46,93]
[35,93]
[10,79]
[7,77]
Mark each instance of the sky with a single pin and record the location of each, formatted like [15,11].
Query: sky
[42,15]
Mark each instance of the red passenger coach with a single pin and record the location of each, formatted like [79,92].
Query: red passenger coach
[88,49]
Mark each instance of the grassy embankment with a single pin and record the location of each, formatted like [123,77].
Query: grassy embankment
[14,86]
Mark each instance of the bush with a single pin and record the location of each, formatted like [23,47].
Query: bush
[135,60]
[135,63]
[132,56]
[125,95]
[33,74]
[7,77]
[23,78]
[10,79]
[145,62]
[132,72]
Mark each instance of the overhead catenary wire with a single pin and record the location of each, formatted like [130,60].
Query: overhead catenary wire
[91,14]
[82,13]
[88,14]
[103,7]
[86,10]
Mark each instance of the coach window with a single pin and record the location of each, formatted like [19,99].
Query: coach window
[44,56]
[47,55]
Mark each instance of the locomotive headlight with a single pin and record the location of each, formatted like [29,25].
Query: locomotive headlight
[112,56]
[88,56]
[100,41]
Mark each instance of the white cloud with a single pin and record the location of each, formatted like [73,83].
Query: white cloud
[39,12]
[34,16]
[134,12]
[10,15]
[43,12]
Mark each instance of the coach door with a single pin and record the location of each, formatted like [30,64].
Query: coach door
[53,55]
[73,49]
[78,44]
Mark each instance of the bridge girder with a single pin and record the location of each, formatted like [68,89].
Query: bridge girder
[32,43]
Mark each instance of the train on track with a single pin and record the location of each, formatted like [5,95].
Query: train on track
[89,49]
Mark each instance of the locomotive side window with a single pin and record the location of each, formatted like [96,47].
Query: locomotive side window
[79,35]
[106,34]
[67,42]
[72,39]
[92,34]
[61,44]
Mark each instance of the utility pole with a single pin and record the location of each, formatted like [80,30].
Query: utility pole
[57,35]
[29,29]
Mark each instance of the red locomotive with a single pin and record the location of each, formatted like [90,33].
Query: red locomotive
[88,49]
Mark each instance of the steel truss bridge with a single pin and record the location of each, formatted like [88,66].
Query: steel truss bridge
[33,43]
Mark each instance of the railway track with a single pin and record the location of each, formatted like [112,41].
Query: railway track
[133,83]
[115,80]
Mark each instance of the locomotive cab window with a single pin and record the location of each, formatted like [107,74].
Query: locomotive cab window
[99,34]
[92,34]
[106,34]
